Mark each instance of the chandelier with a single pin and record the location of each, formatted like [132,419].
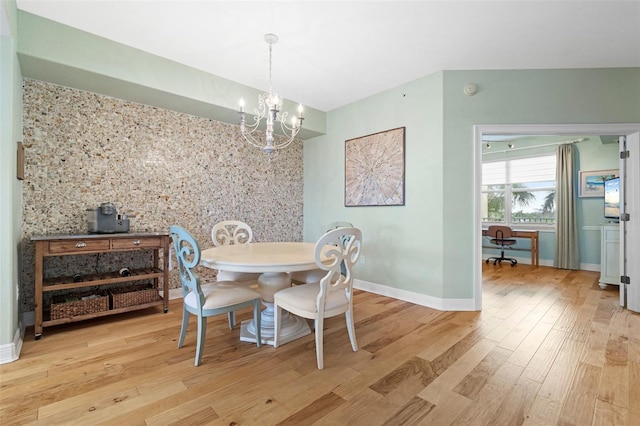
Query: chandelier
[269,105]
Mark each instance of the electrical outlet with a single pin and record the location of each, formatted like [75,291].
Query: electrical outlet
[363,260]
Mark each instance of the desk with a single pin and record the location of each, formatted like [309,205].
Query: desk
[525,233]
[273,261]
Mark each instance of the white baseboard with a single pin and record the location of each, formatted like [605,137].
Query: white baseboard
[418,299]
[439,303]
[590,267]
[29,318]
[549,262]
[175,293]
[11,351]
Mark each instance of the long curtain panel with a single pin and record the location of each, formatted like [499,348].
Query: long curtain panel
[567,251]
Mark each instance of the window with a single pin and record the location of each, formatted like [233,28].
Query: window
[519,191]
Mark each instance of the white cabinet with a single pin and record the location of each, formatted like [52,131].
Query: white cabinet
[610,255]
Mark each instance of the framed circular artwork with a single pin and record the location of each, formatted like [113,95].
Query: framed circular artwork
[374,169]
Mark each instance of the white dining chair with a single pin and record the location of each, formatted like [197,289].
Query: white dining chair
[332,295]
[315,275]
[233,232]
[207,299]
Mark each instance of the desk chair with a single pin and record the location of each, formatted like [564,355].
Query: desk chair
[209,299]
[332,295]
[500,236]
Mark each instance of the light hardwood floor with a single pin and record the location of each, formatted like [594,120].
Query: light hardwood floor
[550,347]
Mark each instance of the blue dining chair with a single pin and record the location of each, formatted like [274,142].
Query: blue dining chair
[209,299]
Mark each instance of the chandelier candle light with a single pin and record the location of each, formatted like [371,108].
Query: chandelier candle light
[269,104]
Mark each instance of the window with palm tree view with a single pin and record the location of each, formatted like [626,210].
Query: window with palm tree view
[519,191]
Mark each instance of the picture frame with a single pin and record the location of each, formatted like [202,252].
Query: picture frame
[592,182]
[375,169]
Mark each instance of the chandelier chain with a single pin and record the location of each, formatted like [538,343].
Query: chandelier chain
[270,85]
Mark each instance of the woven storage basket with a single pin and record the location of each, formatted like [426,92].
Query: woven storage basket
[134,295]
[61,307]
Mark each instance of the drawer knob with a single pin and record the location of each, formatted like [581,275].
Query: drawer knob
[81,245]
[136,243]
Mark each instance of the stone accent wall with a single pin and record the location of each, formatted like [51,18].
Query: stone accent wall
[164,167]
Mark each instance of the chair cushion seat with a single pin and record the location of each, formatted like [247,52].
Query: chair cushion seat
[222,294]
[304,297]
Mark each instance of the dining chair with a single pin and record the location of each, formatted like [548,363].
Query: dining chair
[315,275]
[332,295]
[208,299]
[233,232]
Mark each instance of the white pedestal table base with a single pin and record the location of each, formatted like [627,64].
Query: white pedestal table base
[291,326]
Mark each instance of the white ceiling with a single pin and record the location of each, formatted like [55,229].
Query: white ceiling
[332,53]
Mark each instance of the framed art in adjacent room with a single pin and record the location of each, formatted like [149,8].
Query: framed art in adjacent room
[592,182]
[375,169]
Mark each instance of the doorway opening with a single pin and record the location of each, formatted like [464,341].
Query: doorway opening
[483,131]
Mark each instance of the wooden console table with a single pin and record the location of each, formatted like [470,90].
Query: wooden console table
[69,245]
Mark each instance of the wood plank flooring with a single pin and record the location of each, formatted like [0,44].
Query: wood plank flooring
[549,348]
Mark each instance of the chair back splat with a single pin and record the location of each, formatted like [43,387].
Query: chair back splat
[231,232]
[234,232]
[188,254]
[314,275]
[341,250]
[336,253]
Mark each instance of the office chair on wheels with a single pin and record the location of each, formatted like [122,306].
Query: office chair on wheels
[500,236]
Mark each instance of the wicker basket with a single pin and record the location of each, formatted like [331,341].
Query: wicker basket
[78,304]
[123,297]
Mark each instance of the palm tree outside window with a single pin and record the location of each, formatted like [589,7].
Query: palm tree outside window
[518,192]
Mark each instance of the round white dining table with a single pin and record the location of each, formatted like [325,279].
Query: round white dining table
[274,261]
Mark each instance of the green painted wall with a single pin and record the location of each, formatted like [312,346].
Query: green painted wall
[10,187]
[402,244]
[427,245]
[593,156]
[516,97]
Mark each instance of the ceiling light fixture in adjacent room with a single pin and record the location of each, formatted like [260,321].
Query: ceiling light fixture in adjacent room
[269,105]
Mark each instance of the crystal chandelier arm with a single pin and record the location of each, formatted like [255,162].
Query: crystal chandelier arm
[296,124]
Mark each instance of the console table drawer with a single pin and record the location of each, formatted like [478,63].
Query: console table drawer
[135,243]
[78,246]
